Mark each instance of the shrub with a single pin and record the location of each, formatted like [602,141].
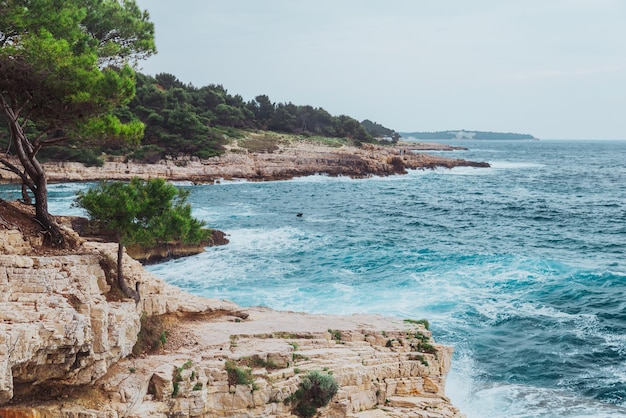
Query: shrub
[81,154]
[420,358]
[150,154]
[264,144]
[335,334]
[237,375]
[419,321]
[257,362]
[315,391]
[425,348]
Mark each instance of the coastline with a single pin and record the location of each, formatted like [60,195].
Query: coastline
[291,159]
[70,346]
[377,360]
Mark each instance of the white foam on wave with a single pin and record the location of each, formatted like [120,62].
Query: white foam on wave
[62,197]
[344,288]
[70,187]
[465,171]
[181,183]
[320,178]
[285,238]
[227,182]
[511,165]
[220,273]
[520,401]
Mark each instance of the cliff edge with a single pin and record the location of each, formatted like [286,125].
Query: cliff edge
[70,346]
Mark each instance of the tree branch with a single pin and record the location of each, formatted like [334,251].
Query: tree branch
[15,170]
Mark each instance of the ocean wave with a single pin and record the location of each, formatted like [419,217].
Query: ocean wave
[521,401]
[514,165]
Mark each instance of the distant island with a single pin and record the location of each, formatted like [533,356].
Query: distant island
[463,134]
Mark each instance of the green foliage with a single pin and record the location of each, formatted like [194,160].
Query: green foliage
[238,375]
[314,391]
[150,154]
[78,153]
[331,142]
[67,64]
[197,386]
[421,337]
[335,334]
[81,56]
[379,131]
[264,144]
[424,347]
[144,212]
[298,356]
[419,321]
[185,120]
[256,362]
[420,358]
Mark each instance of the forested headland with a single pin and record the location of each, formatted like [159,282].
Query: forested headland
[183,120]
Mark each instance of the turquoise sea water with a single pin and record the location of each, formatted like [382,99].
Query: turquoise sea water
[521,267]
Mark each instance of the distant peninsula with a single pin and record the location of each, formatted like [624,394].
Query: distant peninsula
[463,134]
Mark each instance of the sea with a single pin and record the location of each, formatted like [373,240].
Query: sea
[520,267]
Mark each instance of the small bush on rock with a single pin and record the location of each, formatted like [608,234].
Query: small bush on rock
[315,391]
[239,376]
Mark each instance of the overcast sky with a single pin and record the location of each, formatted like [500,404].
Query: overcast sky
[552,68]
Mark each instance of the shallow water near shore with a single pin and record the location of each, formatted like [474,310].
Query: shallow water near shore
[521,267]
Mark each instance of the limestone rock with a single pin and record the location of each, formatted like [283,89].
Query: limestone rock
[66,337]
[292,159]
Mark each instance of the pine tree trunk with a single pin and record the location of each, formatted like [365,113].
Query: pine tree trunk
[33,176]
[53,232]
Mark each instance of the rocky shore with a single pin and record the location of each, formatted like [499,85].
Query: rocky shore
[71,346]
[290,159]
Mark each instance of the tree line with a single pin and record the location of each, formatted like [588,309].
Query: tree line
[183,120]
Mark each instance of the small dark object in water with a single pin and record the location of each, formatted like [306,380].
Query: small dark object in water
[299,214]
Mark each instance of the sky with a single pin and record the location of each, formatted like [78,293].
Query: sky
[555,69]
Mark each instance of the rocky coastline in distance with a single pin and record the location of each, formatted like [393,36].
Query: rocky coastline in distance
[286,160]
[464,134]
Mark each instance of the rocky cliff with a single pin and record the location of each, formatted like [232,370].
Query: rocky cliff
[70,346]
